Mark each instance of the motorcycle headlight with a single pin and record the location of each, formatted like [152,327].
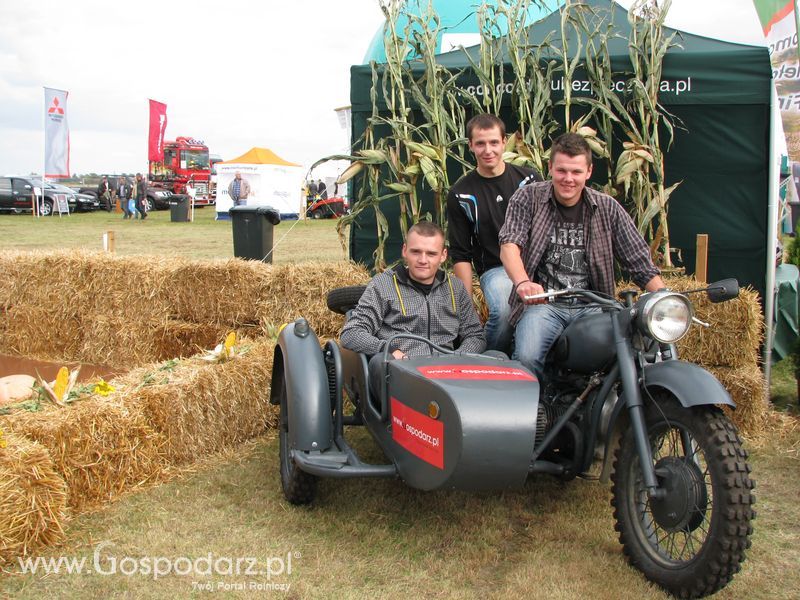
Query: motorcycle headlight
[666,316]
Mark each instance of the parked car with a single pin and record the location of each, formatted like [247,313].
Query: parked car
[83,202]
[16,196]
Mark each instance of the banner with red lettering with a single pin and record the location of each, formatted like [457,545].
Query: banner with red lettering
[56,134]
[158,125]
[778,20]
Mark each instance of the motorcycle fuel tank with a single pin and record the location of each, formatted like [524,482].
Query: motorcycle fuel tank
[587,344]
[461,422]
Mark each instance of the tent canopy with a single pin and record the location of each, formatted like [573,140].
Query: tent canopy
[259,156]
[720,94]
[274,182]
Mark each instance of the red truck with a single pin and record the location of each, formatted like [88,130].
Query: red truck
[185,162]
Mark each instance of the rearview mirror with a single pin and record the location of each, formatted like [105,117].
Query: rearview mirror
[720,291]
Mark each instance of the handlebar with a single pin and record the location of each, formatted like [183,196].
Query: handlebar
[575,293]
[418,338]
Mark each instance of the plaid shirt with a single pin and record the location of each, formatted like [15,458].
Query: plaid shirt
[611,233]
[390,305]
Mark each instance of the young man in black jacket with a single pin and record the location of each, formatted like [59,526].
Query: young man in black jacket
[476,209]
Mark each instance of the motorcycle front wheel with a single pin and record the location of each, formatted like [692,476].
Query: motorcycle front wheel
[693,540]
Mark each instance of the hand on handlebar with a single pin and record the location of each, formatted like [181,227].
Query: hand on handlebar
[398,354]
[529,288]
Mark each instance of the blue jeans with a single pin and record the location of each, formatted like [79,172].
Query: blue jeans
[539,327]
[496,288]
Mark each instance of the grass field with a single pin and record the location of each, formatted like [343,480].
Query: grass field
[364,538]
[204,238]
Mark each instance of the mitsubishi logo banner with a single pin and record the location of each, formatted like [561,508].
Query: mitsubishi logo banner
[56,133]
[158,125]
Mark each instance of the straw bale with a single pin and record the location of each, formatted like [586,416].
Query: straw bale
[120,340]
[748,389]
[735,332]
[32,330]
[175,339]
[117,340]
[201,407]
[219,292]
[134,286]
[301,290]
[100,447]
[33,498]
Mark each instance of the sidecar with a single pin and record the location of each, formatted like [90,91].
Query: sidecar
[442,421]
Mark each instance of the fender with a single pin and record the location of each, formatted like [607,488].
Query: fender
[299,361]
[690,384]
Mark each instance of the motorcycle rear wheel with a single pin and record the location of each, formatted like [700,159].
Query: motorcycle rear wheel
[298,486]
[693,541]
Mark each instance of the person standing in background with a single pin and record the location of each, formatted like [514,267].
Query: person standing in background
[239,190]
[140,195]
[104,193]
[124,193]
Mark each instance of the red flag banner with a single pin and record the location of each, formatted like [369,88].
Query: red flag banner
[158,125]
[56,133]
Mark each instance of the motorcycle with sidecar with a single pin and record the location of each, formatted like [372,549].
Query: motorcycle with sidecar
[614,392]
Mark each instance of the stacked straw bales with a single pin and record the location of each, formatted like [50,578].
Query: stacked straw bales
[134,313]
[200,409]
[129,311]
[98,446]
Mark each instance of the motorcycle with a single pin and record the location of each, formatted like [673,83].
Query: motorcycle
[615,391]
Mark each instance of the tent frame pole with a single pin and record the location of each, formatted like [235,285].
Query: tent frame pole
[772,237]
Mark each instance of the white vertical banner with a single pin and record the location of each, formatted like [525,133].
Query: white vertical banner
[56,133]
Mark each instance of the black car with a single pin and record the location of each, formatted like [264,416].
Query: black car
[16,195]
[82,203]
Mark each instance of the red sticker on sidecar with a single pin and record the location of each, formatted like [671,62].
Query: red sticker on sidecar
[476,372]
[418,433]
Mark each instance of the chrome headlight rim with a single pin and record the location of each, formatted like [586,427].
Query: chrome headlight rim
[653,306]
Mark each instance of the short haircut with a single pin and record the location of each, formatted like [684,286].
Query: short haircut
[426,229]
[571,144]
[485,121]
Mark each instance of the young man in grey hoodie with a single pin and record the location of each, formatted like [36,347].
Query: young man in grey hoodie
[417,298]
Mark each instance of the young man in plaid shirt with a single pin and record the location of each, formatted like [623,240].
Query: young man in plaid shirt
[559,234]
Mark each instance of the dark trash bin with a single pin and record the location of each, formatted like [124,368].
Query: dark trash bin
[252,231]
[179,208]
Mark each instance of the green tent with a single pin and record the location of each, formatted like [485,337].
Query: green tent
[720,91]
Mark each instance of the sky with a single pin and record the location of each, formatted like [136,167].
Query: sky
[236,74]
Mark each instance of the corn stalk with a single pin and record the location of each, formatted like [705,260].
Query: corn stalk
[530,87]
[643,157]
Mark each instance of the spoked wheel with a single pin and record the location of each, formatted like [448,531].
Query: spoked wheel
[299,487]
[693,540]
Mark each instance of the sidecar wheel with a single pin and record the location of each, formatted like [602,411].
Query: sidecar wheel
[693,541]
[298,486]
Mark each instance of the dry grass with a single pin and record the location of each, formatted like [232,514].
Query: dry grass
[381,539]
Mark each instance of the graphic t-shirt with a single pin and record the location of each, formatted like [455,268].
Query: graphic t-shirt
[564,262]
